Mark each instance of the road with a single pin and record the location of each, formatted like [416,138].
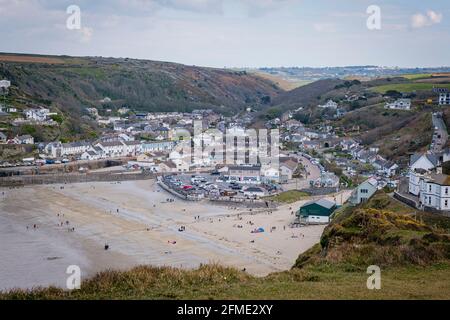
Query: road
[312,170]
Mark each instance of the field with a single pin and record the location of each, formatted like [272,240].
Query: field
[409,87]
[30,59]
[290,196]
[417,76]
[281,82]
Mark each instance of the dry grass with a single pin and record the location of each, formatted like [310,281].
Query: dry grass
[29,59]
[323,281]
[281,82]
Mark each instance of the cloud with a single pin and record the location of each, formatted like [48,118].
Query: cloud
[420,20]
[434,17]
[209,6]
[86,34]
[324,27]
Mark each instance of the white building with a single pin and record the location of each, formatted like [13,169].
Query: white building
[158,146]
[26,139]
[90,155]
[444,98]
[434,191]
[5,84]
[244,174]
[364,191]
[113,148]
[254,192]
[40,115]
[415,177]
[270,174]
[399,104]
[73,148]
[132,148]
[287,169]
[176,165]
[427,161]
[330,104]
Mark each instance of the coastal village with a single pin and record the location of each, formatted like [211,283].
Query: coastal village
[224,156]
[139,173]
[315,160]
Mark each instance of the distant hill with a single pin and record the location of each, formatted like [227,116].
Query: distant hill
[306,95]
[75,83]
[349,72]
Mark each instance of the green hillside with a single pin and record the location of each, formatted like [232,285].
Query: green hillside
[76,83]
[409,87]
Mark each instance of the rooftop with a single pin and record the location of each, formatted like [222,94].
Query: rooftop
[321,202]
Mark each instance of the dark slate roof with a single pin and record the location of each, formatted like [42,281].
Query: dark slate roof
[322,202]
[27,136]
[431,157]
[245,168]
[254,189]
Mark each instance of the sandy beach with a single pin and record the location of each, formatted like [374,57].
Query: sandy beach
[44,229]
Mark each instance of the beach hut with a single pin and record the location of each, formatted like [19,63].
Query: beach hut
[316,212]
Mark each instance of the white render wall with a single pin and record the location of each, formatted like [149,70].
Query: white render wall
[422,163]
[318,219]
[414,183]
[434,195]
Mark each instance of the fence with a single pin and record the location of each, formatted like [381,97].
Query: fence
[410,202]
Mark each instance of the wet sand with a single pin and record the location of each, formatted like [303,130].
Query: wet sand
[140,227]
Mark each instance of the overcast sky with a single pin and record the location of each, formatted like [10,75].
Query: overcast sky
[234,33]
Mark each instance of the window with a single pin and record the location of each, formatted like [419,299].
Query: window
[429,188]
[446,191]
[364,191]
[446,203]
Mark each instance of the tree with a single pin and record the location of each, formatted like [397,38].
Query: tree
[273,113]
[393,94]
[57,118]
[266,100]
[303,118]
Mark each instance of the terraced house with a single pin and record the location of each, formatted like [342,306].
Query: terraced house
[434,191]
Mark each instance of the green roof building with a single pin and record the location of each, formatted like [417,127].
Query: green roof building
[318,211]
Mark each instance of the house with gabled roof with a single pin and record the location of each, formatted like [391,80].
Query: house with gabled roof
[364,191]
[425,161]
